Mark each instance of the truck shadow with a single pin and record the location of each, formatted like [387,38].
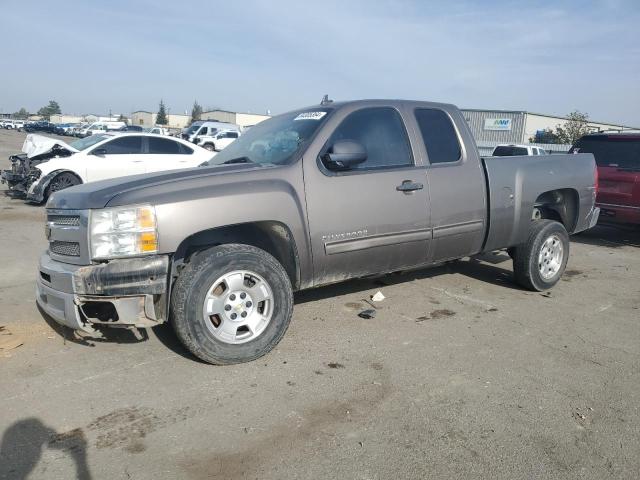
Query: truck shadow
[164,333]
[23,443]
[609,236]
[109,335]
[482,268]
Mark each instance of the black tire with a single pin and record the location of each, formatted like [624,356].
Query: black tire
[209,146]
[526,264]
[195,281]
[60,182]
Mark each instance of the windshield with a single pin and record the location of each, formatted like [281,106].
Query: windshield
[621,152]
[84,143]
[274,141]
[509,151]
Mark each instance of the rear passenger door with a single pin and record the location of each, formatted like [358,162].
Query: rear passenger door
[456,184]
[116,158]
[374,217]
[167,154]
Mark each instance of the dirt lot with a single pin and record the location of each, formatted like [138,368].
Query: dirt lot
[460,375]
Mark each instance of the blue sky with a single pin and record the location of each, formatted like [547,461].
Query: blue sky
[549,57]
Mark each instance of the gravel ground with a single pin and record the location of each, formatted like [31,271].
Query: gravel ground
[460,375]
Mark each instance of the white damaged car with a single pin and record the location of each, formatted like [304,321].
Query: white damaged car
[100,157]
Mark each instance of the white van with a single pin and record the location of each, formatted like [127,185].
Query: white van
[101,127]
[204,128]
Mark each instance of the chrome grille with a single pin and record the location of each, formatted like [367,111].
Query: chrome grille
[66,231]
[68,249]
[69,220]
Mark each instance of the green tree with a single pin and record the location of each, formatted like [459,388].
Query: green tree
[196,112]
[51,109]
[161,118]
[576,126]
[21,114]
[545,136]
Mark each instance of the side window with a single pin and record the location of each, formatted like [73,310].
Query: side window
[381,131]
[232,134]
[202,131]
[439,136]
[124,145]
[535,151]
[184,150]
[163,145]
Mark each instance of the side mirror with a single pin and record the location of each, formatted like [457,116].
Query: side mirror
[344,155]
[100,152]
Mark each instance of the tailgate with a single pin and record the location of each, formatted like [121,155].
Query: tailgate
[619,186]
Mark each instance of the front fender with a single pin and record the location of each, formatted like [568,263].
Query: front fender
[39,187]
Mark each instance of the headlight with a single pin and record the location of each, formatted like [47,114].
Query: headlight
[123,232]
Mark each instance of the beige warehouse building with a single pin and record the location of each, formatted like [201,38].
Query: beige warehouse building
[509,126]
[144,118]
[242,119]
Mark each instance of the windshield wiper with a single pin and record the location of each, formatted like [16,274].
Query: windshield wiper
[238,160]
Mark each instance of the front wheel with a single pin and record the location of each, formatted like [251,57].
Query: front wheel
[208,146]
[231,304]
[539,263]
[61,181]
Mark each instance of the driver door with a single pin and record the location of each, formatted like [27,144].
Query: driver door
[373,218]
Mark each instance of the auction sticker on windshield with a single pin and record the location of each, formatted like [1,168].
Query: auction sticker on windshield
[310,116]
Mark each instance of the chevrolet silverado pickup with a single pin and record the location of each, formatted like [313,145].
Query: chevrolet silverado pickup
[304,199]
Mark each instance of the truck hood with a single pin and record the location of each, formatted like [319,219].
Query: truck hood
[103,193]
[35,145]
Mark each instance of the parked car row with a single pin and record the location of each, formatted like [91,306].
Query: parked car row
[11,124]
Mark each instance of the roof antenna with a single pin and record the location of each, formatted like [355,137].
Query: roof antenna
[325,100]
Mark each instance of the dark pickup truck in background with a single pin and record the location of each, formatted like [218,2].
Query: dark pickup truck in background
[304,199]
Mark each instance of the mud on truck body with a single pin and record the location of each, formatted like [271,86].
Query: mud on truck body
[304,199]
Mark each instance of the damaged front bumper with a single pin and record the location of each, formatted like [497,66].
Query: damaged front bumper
[21,176]
[121,293]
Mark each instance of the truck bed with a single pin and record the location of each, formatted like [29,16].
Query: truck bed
[516,184]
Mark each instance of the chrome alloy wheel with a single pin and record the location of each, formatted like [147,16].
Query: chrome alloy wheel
[550,257]
[238,307]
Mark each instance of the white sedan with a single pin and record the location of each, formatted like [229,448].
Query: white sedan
[111,155]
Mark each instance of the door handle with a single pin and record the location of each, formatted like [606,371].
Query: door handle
[407,186]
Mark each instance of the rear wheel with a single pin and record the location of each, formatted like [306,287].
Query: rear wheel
[208,146]
[61,181]
[231,304]
[539,263]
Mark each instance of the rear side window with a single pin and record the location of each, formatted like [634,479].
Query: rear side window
[617,152]
[509,151]
[124,145]
[381,131]
[439,136]
[163,146]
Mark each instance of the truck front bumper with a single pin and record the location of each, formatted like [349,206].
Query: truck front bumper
[125,293]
